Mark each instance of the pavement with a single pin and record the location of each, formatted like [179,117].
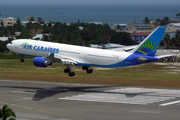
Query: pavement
[32,100]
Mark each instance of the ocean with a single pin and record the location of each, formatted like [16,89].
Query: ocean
[105,13]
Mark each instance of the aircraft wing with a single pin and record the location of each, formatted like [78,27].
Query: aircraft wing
[64,59]
[124,48]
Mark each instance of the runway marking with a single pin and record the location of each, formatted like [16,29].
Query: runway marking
[146,111]
[170,103]
[47,83]
[127,95]
[41,110]
[30,92]
[117,98]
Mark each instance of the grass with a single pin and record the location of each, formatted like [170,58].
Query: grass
[147,75]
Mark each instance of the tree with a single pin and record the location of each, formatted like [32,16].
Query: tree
[146,20]
[29,25]
[166,40]
[6,113]
[39,19]
[24,35]
[118,27]
[18,21]
[176,39]
[78,22]
[32,19]
[165,21]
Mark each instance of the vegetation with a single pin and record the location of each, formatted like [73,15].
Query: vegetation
[178,14]
[78,33]
[171,43]
[7,113]
[146,20]
[150,75]
[164,21]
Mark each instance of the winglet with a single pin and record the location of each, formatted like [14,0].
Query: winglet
[151,43]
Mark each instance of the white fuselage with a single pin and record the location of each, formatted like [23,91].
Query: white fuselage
[83,55]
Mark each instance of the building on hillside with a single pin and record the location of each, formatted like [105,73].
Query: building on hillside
[12,36]
[173,25]
[177,17]
[3,39]
[174,21]
[119,27]
[81,28]
[138,37]
[18,33]
[154,21]
[33,32]
[39,36]
[140,27]
[10,21]
[97,23]
[26,20]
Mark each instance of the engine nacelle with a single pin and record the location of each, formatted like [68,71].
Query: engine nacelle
[41,62]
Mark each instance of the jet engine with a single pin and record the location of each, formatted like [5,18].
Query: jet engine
[41,62]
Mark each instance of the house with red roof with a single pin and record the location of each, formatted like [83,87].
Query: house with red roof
[138,37]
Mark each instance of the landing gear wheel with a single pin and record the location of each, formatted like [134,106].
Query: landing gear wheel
[66,70]
[84,67]
[71,74]
[21,60]
[89,71]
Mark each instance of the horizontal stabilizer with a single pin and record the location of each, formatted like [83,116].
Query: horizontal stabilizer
[164,56]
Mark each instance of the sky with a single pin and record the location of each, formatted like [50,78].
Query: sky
[88,1]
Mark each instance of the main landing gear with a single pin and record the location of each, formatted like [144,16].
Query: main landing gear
[68,70]
[87,69]
[22,59]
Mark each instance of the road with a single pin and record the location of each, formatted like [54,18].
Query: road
[33,100]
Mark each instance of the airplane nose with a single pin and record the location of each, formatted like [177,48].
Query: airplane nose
[8,46]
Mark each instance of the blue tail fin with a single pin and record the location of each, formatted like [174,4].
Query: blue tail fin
[151,43]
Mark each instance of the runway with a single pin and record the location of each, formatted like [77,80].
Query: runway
[32,100]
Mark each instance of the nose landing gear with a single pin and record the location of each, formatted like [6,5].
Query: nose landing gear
[22,59]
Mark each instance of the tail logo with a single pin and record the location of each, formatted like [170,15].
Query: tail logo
[147,47]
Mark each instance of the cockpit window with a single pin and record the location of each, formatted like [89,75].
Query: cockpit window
[10,42]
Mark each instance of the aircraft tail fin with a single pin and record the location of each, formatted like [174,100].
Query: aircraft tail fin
[151,43]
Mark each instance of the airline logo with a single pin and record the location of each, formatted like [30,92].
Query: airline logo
[148,47]
[40,48]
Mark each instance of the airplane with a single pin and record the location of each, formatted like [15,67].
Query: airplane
[45,53]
